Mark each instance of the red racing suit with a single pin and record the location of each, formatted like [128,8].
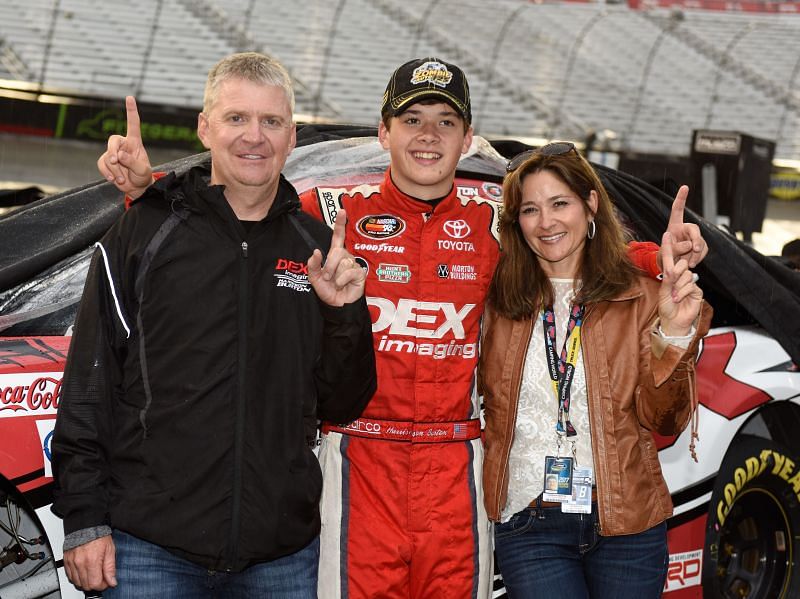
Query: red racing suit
[402,504]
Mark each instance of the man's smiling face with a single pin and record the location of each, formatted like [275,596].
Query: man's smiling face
[250,132]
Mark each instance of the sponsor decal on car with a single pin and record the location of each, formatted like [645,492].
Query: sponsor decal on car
[493,190]
[29,393]
[45,428]
[684,570]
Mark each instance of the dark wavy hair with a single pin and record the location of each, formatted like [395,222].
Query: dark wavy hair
[520,288]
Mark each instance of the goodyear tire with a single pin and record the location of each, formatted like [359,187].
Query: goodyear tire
[752,541]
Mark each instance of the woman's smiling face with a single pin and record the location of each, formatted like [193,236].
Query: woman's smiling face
[554,221]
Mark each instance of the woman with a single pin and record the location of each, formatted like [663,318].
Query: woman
[571,472]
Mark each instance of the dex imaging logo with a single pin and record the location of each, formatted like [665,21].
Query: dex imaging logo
[292,275]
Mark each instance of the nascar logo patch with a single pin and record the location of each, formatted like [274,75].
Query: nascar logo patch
[380,226]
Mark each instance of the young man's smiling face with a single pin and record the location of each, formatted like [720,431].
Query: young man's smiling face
[425,143]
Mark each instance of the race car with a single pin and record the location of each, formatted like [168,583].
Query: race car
[736,527]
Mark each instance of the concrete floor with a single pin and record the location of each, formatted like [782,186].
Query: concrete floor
[57,164]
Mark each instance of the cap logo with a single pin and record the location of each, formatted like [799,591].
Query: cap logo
[432,72]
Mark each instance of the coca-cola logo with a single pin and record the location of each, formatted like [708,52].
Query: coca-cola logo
[43,393]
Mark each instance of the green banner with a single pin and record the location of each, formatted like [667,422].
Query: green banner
[95,119]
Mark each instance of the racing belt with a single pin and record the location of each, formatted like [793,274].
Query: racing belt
[415,432]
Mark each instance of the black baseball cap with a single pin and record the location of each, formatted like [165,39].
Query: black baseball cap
[424,78]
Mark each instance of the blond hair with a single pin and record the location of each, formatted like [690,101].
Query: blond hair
[250,66]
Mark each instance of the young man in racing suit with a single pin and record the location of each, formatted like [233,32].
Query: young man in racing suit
[402,505]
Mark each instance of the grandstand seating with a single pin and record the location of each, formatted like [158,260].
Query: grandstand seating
[536,69]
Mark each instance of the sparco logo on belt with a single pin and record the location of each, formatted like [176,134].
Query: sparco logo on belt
[362,426]
[380,226]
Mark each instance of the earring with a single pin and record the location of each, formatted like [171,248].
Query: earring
[590,233]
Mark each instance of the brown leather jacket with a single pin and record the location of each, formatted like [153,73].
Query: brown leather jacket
[636,383]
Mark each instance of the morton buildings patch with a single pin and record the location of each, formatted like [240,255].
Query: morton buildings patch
[459,272]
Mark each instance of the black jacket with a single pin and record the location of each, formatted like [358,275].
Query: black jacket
[186,415]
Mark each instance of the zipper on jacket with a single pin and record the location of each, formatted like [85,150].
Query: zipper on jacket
[241,403]
[592,432]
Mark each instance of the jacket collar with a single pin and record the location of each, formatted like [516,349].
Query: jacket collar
[406,203]
[193,190]
[202,196]
[632,292]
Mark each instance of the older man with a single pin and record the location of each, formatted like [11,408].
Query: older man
[207,344]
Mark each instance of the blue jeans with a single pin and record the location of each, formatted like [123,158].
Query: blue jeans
[145,570]
[546,553]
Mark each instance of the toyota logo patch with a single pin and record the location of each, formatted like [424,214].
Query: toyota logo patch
[457,229]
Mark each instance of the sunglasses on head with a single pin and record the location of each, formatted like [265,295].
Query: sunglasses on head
[556,148]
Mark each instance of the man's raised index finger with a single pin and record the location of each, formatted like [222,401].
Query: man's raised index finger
[338,229]
[134,124]
[678,206]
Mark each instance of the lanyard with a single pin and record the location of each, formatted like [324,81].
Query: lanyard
[562,370]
